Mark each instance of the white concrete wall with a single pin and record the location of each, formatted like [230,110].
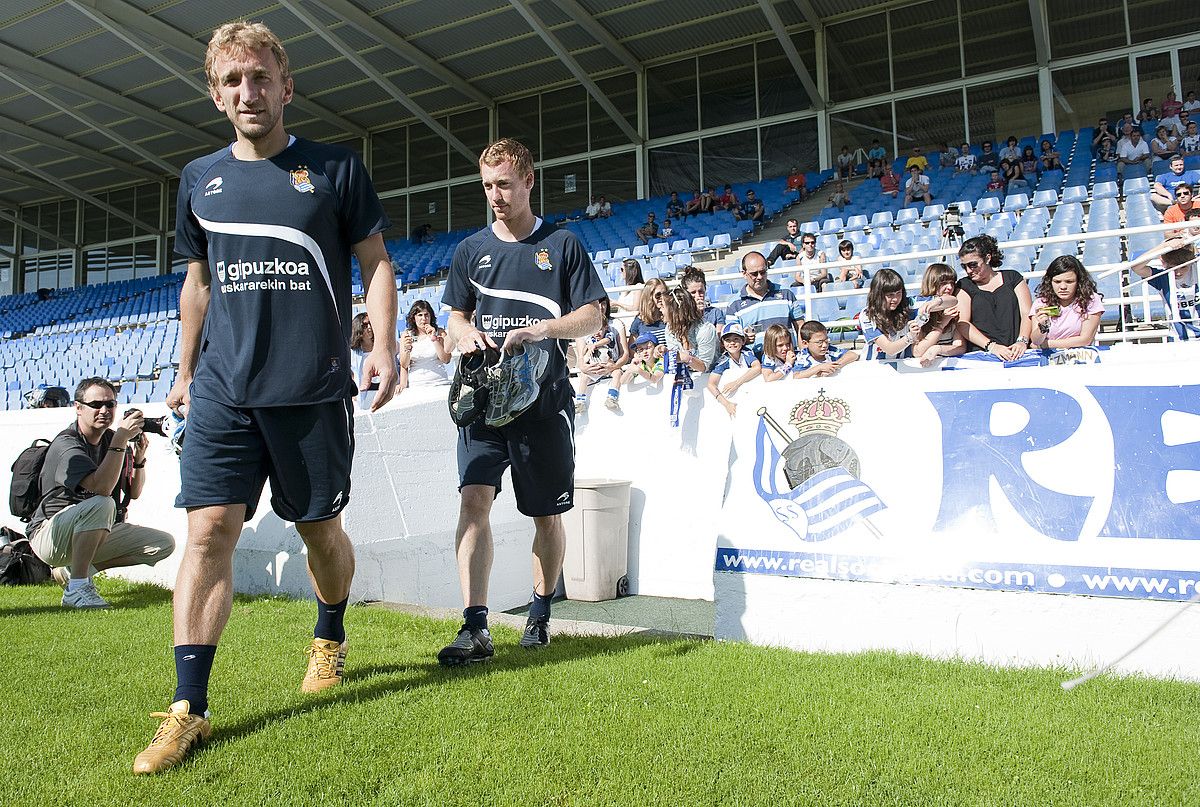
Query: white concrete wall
[996,627]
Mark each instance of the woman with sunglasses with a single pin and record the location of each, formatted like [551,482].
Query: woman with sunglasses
[362,342]
[631,275]
[993,303]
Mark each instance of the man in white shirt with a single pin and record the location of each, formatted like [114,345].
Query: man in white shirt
[593,210]
[917,187]
[1133,151]
[965,164]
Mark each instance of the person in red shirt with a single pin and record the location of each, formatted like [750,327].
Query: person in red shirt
[728,200]
[797,182]
[889,183]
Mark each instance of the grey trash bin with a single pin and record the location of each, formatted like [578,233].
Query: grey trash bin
[597,531]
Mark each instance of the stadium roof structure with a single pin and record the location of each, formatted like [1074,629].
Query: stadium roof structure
[94,93]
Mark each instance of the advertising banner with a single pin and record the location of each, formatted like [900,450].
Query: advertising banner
[1062,480]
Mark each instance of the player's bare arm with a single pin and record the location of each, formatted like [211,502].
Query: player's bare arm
[193,308]
[379,282]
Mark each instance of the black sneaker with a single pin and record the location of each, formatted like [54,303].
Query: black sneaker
[470,646]
[537,634]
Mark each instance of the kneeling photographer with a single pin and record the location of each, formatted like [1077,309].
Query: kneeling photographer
[90,474]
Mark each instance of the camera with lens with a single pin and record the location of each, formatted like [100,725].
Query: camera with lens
[150,425]
[953,220]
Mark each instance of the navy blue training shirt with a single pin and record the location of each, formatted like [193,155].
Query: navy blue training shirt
[277,235]
[515,284]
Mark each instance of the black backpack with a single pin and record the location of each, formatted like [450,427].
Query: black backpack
[18,565]
[25,490]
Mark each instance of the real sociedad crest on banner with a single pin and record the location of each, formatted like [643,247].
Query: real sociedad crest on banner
[824,495]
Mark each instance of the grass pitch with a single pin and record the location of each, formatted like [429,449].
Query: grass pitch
[626,721]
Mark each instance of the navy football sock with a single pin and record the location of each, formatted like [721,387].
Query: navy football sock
[540,608]
[330,621]
[193,664]
[476,616]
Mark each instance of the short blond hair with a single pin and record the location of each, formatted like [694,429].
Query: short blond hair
[243,36]
[508,150]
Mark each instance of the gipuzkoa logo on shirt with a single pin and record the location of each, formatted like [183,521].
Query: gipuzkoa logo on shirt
[495,324]
[300,181]
[213,187]
[233,271]
[542,258]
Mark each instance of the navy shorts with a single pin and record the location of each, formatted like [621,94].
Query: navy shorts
[306,452]
[540,453]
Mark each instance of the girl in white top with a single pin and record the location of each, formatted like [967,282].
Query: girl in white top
[362,342]
[423,353]
[631,272]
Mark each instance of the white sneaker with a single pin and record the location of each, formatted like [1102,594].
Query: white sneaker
[85,596]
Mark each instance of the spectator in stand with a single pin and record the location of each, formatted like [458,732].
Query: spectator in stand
[423,351]
[839,198]
[1162,195]
[889,183]
[422,234]
[599,356]
[1030,165]
[1107,151]
[728,200]
[667,230]
[812,264]
[694,340]
[1189,146]
[693,282]
[937,306]
[751,209]
[737,361]
[779,353]
[1102,128]
[877,152]
[1183,210]
[988,159]
[1184,119]
[1165,144]
[1191,104]
[851,273]
[817,357]
[918,159]
[1171,107]
[1147,112]
[1174,260]
[648,230]
[917,186]
[788,246]
[1127,130]
[1125,126]
[845,163]
[1051,159]
[675,209]
[761,302]
[796,181]
[605,208]
[966,162]
[651,317]
[993,303]
[1014,176]
[631,275]
[1011,152]
[1067,307]
[884,322]
[948,156]
[996,183]
[593,210]
[703,202]
[646,363]
[875,169]
[362,342]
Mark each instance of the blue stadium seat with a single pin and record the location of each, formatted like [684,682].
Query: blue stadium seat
[1015,202]
[1105,190]
[932,213]
[1075,193]
[1136,185]
[987,206]
[907,214]
[1045,198]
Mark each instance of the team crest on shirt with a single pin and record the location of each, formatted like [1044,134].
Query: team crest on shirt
[301,182]
[542,259]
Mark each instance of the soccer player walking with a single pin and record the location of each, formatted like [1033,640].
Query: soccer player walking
[518,281]
[268,226]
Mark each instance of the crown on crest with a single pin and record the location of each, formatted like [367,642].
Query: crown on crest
[820,414]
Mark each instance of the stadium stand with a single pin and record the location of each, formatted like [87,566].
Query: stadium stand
[128,331]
